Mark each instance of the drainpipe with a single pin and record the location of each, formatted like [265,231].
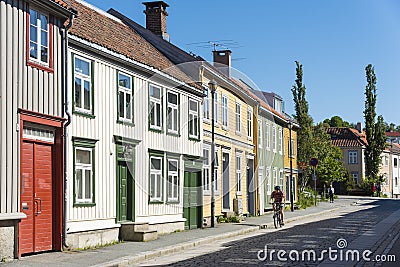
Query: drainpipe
[68,122]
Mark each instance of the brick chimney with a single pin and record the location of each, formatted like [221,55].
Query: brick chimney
[222,61]
[359,127]
[156,18]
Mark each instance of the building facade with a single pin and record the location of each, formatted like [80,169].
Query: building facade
[32,49]
[135,136]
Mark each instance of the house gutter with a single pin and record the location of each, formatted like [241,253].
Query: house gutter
[67,123]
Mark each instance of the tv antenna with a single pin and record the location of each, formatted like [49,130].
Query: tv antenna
[223,44]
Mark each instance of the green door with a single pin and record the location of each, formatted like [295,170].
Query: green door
[125,190]
[192,200]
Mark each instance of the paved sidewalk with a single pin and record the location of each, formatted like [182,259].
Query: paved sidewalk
[130,252]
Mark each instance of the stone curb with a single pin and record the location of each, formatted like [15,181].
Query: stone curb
[128,260]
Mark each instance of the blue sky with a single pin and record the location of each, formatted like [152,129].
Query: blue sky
[333,40]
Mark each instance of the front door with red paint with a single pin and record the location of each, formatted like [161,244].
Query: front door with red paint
[36,231]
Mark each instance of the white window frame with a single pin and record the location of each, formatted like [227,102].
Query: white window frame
[355,177]
[206,106]
[83,78]
[268,136]
[194,125]
[268,178]
[127,91]
[249,123]
[84,167]
[39,42]
[224,110]
[215,107]
[280,140]
[206,170]
[239,173]
[238,108]
[260,134]
[274,138]
[216,171]
[281,178]
[291,148]
[154,102]
[157,181]
[275,176]
[353,157]
[170,115]
[173,179]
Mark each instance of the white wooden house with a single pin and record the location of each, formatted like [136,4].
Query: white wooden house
[31,125]
[135,135]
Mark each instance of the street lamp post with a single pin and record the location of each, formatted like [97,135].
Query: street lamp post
[291,167]
[212,85]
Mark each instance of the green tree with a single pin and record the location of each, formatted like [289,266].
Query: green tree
[305,133]
[374,129]
[330,165]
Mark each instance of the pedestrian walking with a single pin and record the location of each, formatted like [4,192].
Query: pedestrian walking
[331,191]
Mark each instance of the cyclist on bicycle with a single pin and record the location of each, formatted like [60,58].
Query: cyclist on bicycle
[278,198]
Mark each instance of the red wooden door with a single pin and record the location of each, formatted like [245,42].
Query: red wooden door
[36,231]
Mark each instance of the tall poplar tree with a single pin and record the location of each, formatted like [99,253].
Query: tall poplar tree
[305,133]
[374,129]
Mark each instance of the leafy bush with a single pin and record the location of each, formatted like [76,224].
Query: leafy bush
[306,199]
[230,219]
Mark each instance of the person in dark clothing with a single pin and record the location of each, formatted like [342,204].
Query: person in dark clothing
[331,191]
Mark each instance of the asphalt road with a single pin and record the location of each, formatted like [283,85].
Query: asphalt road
[357,235]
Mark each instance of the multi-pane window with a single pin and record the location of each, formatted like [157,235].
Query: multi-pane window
[355,177]
[238,118]
[216,167]
[206,106]
[268,178]
[206,170]
[216,107]
[274,138]
[281,179]
[124,97]
[173,180]
[224,111]
[396,183]
[280,144]
[39,37]
[238,173]
[395,163]
[83,154]
[172,112]
[156,178]
[353,157]
[193,119]
[249,123]
[155,115]
[267,136]
[83,85]
[83,175]
[275,177]
[291,148]
[260,134]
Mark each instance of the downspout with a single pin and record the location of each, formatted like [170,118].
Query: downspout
[68,122]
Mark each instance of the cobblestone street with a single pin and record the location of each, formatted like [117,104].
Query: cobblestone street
[360,226]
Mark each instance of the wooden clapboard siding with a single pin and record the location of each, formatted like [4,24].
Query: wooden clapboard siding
[24,87]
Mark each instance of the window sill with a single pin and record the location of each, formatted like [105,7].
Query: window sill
[156,202]
[206,193]
[239,193]
[38,65]
[156,130]
[195,139]
[206,121]
[174,134]
[224,127]
[78,205]
[127,123]
[83,114]
[238,133]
